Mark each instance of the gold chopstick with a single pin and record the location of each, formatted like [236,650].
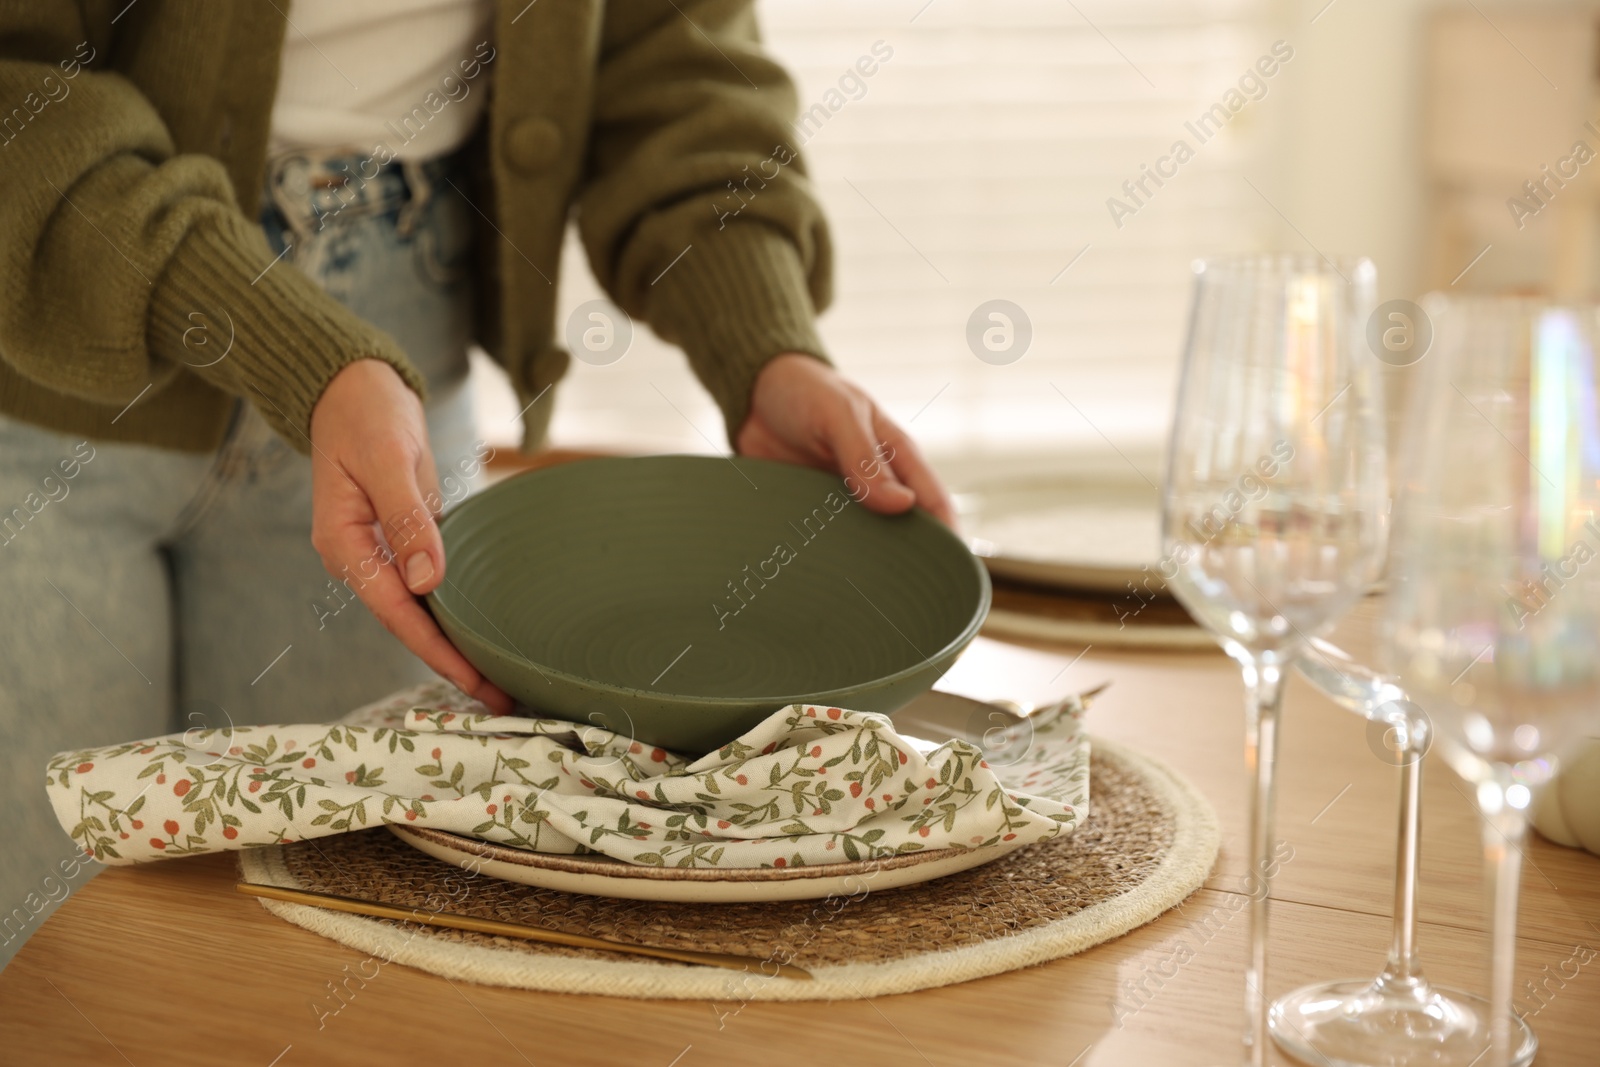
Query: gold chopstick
[505,929]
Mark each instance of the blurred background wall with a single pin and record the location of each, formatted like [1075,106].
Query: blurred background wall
[980,158]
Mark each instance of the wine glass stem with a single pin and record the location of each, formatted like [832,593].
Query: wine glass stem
[1503,831]
[1263,700]
[1403,966]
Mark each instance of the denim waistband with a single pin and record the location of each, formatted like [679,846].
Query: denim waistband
[311,189]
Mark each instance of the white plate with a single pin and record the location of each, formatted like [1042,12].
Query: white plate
[1064,533]
[603,876]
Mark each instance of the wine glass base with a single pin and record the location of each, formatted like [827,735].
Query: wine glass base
[1365,1024]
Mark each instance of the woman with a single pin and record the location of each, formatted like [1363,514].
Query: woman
[241,242]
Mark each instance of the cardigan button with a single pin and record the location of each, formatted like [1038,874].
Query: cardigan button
[531,145]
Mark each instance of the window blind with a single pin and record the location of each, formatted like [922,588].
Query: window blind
[978,161]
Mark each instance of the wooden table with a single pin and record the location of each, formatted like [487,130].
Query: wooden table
[164,964]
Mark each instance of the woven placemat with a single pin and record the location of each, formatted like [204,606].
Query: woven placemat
[1149,842]
[1024,610]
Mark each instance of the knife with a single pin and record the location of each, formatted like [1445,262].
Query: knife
[986,724]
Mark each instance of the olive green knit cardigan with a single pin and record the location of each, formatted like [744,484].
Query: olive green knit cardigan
[132,145]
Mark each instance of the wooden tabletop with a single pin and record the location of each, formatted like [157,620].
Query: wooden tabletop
[165,964]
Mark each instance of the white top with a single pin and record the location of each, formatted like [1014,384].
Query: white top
[401,79]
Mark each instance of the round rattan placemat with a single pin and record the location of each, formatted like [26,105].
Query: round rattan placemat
[1149,841]
[1040,613]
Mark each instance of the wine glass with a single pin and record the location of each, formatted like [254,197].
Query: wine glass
[1493,620]
[1274,509]
[1399,1019]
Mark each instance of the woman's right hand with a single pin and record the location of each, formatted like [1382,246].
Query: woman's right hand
[372,482]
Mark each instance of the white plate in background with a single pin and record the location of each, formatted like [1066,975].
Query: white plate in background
[1064,532]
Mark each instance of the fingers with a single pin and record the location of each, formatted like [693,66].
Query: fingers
[407,520]
[405,617]
[492,697]
[804,413]
[851,435]
[758,441]
[346,536]
[373,574]
[427,475]
[906,458]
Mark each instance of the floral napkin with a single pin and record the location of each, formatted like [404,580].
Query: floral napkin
[807,785]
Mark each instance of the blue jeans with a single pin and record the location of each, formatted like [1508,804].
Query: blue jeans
[153,591]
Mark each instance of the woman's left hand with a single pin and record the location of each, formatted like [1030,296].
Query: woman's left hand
[802,411]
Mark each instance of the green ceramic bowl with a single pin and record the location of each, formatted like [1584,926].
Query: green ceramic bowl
[681,599]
